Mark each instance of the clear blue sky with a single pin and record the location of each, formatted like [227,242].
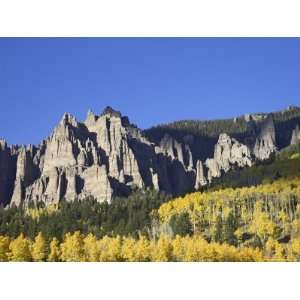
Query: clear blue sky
[154,80]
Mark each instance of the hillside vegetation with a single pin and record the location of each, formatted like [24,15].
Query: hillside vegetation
[250,215]
[205,133]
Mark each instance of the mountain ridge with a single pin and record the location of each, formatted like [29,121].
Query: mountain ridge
[107,156]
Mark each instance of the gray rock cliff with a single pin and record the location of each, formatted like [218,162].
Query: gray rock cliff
[265,143]
[106,156]
[228,153]
[295,136]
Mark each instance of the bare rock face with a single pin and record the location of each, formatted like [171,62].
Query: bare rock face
[228,153]
[25,173]
[295,136]
[175,150]
[200,178]
[102,157]
[8,170]
[265,143]
[106,156]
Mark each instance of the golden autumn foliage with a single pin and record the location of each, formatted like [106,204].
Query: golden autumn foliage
[259,223]
[39,248]
[274,250]
[162,250]
[246,216]
[4,248]
[36,213]
[294,250]
[54,251]
[20,249]
[110,249]
[136,250]
[79,248]
[72,247]
[91,248]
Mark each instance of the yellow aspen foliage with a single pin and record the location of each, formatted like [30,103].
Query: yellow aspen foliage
[274,251]
[72,248]
[162,249]
[133,250]
[294,250]
[4,248]
[128,249]
[179,248]
[142,249]
[224,252]
[295,230]
[248,254]
[36,213]
[77,247]
[261,224]
[91,248]
[110,249]
[20,249]
[54,253]
[39,248]
[196,250]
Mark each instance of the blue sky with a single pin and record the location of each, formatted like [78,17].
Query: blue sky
[152,80]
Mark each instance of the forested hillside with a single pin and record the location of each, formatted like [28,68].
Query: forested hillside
[205,133]
[257,221]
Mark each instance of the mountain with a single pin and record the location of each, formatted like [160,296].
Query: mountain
[106,156]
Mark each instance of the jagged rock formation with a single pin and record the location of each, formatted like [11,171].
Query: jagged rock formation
[265,143]
[200,178]
[228,153]
[295,136]
[106,156]
[101,157]
[8,158]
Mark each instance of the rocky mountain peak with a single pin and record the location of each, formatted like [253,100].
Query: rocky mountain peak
[68,119]
[109,111]
[106,155]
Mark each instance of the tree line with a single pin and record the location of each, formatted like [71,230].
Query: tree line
[76,247]
[121,217]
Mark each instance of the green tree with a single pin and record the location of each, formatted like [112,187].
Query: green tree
[181,224]
[217,230]
[230,227]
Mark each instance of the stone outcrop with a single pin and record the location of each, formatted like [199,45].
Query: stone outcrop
[265,143]
[102,157]
[227,154]
[8,165]
[200,178]
[175,150]
[106,156]
[295,136]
